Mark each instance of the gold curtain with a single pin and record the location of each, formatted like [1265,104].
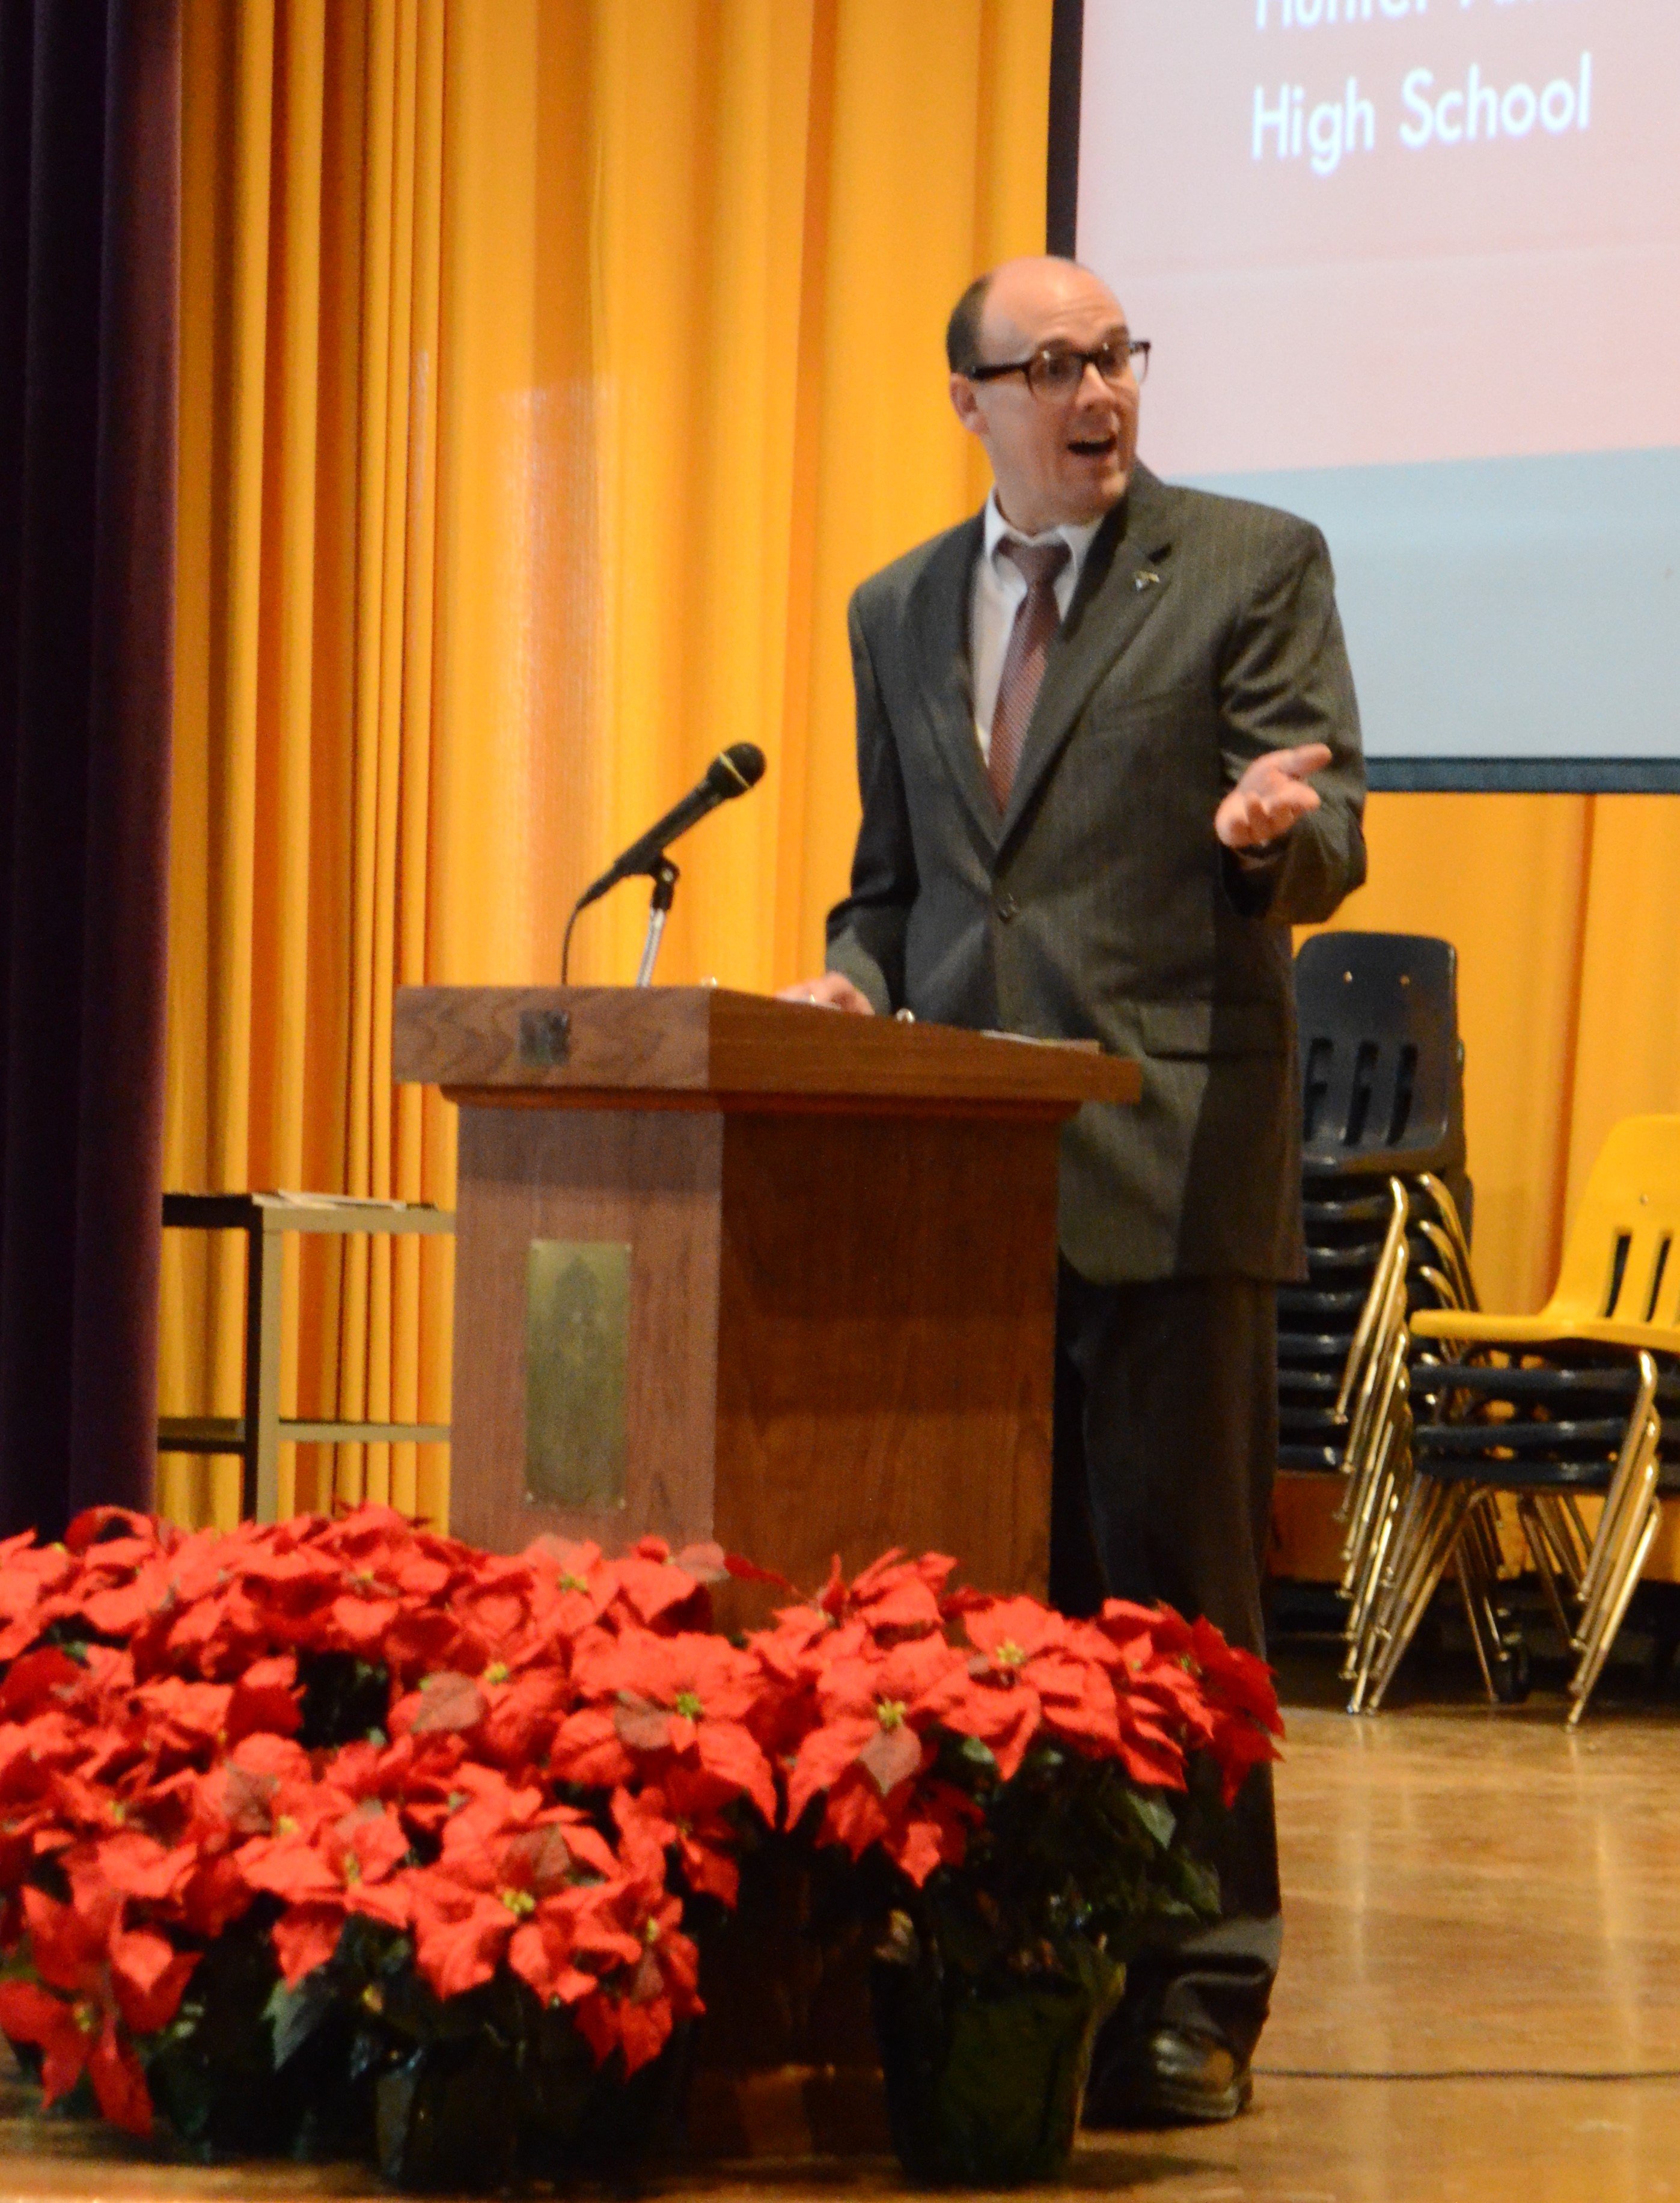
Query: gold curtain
[551,371]
[312,160]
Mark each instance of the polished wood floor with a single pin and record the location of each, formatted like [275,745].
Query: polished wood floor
[1480,2001]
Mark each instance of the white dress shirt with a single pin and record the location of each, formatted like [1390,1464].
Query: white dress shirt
[998,587]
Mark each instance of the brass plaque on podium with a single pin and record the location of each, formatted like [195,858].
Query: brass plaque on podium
[577,1352]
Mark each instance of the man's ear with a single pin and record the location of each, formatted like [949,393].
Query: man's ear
[966,400]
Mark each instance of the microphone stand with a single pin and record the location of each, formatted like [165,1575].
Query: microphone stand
[665,877]
[731,773]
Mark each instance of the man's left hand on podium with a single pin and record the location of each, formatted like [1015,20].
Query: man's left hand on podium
[832,991]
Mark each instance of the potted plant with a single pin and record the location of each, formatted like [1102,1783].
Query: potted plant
[322,1837]
[1017,1795]
[338,1837]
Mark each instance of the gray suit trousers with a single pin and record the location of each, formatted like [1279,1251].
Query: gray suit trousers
[1166,1447]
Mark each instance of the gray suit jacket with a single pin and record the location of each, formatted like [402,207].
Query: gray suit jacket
[1100,905]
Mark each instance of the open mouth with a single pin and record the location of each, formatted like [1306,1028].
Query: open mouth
[1094,448]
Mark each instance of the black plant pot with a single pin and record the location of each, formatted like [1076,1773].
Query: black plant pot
[985,2081]
[471,2115]
[212,2072]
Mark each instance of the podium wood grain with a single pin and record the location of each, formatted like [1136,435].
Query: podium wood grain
[711,1045]
[887,1346]
[868,1364]
[842,1237]
[652,1178]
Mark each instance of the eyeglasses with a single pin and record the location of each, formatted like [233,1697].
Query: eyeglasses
[1057,370]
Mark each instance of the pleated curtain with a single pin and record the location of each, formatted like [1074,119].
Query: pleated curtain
[551,372]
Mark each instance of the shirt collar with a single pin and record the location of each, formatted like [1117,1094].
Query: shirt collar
[1078,539]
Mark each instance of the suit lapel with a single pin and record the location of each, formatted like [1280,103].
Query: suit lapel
[1126,575]
[939,627]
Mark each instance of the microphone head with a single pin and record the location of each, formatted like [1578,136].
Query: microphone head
[735,770]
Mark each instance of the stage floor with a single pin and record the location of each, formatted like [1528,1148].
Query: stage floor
[1481,1993]
[1480,2001]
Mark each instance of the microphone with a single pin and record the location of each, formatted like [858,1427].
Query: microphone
[730,774]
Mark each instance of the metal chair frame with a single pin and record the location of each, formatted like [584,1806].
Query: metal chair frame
[1390,1267]
[1374,1401]
[1448,1220]
[258,1432]
[1587,1582]
[1617,1301]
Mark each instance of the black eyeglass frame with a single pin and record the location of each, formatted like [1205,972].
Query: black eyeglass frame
[1135,347]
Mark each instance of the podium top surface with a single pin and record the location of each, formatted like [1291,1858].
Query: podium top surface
[699,1047]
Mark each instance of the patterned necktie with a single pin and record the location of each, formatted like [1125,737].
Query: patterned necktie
[1036,621]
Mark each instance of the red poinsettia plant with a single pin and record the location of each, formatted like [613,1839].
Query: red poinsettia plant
[325,1825]
[1039,1787]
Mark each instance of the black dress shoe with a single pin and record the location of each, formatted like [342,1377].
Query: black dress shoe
[1175,2080]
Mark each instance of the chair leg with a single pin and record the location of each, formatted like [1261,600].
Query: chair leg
[1357,1543]
[1476,1556]
[1395,1483]
[1548,1564]
[1586,1676]
[1566,1537]
[1483,1529]
[1393,1253]
[1569,1510]
[1471,1596]
[259,1497]
[1631,1514]
[1365,1605]
[1413,1589]
[1407,1528]
[1372,1464]
[1613,1523]
[1385,1312]
[1620,1533]
[1356,1447]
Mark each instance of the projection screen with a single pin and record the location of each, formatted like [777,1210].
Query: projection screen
[1411,267]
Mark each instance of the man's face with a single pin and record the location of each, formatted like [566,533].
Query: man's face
[1057,461]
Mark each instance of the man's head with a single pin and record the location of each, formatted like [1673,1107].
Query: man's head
[1057,460]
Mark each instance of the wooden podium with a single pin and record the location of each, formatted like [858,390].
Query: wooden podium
[729,1268]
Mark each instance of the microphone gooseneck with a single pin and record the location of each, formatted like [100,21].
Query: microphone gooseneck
[731,773]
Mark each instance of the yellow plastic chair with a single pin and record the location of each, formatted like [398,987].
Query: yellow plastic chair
[1618,1296]
[1619,1284]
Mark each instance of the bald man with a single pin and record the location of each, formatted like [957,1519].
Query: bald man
[1109,753]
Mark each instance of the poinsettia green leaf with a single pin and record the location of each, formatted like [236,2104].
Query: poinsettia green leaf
[1154,1814]
[293,2015]
[1197,1884]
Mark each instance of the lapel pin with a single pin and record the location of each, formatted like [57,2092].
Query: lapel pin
[1146,578]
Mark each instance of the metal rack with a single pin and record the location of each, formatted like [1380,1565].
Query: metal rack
[256,1434]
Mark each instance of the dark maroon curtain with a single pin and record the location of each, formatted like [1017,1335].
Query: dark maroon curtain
[89,220]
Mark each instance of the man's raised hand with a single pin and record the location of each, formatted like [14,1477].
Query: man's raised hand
[1269,797]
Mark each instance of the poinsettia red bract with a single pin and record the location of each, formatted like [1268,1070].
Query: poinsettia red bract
[540,1762]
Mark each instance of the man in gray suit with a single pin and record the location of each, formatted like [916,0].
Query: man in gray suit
[1108,750]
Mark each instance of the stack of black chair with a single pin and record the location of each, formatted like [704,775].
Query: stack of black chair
[1386,1203]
